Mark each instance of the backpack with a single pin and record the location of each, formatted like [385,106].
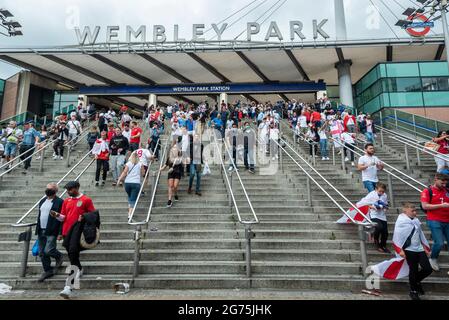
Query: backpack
[91,230]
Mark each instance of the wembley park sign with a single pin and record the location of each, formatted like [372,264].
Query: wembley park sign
[115,34]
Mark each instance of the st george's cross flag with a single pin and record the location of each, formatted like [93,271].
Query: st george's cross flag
[354,214]
[397,267]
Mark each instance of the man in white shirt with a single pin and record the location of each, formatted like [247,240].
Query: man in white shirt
[75,129]
[349,141]
[369,164]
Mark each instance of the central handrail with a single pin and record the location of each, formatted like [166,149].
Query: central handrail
[142,187]
[256,220]
[19,222]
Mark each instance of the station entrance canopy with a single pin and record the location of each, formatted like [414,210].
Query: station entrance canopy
[137,68]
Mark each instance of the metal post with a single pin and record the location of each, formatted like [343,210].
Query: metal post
[248,236]
[436,126]
[26,238]
[280,158]
[35,119]
[333,154]
[443,5]
[390,187]
[41,164]
[407,160]
[396,118]
[414,125]
[363,253]
[68,154]
[418,156]
[343,164]
[381,130]
[230,186]
[137,240]
[45,120]
[309,192]
[313,154]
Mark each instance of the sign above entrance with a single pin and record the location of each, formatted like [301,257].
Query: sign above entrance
[237,88]
[273,33]
[423,24]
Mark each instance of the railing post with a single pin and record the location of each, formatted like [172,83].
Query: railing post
[309,192]
[414,125]
[248,236]
[436,126]
[41,164]
[26,238]
[418,156]
[407,160]
[390,187]
[68,155]
[45,121]
[137,240]
[230,186]
[333,154]
[343,164]
[280,158]
[363,252]
[396,118]
[313,154]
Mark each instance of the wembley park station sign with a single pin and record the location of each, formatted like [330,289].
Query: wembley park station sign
[114,34]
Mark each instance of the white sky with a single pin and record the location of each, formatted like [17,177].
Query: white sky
[51,22]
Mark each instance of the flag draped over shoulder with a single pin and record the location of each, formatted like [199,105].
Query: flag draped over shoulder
[397,267]
[354,214]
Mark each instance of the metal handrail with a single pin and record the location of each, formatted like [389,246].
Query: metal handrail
[19,222]
[328,183]
[256,220]
[421,148]
[142,186]
[51,142]
[147,219]
[398,134]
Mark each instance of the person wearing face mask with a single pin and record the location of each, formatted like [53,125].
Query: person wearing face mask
[48,230]
[377,201]
[73,209]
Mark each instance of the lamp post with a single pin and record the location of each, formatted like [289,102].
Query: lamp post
[443,8]
[12,27]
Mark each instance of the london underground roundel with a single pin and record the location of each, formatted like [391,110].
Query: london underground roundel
[423,31]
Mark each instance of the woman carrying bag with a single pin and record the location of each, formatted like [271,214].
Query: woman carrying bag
[132,174]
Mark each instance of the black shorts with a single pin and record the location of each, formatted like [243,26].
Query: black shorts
[174,175]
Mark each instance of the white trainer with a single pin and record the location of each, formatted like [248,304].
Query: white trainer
[323,158]
[61,158]
[346,159]
[434,264]
[66,292]
[55,157]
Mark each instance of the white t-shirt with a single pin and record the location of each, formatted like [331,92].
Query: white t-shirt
[144,155]
[370,173]
[169,109]
[127,134]
[347,137]
[302,120]
[370,199]
[133,173]
[72,125]
[274,134]
[369,126]
[45,212]
[322,134]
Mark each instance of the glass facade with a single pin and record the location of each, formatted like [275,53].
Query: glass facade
[403,84]
[64,102]
[2,90]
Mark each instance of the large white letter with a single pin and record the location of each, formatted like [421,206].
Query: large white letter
[159,34]
[142,32]
[273,31]
[252,28]
[317,29]
[112,33]
[87,34]
[176,35]
[220,31]
[197,31]
[296,29]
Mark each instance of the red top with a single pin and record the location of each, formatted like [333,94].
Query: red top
[135,132]
[438,197]
[308,115]
[72,209]
[443,147]
[123,109]
[316,116]
[346,120]
[110,135]
[104,155]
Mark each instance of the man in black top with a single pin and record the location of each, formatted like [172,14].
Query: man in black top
[48,229]
[118,145]
[61,136]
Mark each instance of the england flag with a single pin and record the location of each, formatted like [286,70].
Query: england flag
[354,214]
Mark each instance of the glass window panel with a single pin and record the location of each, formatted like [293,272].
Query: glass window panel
[433,69]
[402,70]
[406,99]
[404,85]
[435,84]
[382,71]
[439,98]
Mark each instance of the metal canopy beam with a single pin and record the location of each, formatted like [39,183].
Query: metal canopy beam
[284,97]
[253,66]
[41,72]
[389,53]
[126,102]
[78,69]
[340,55]
[298,66]
[440,51]
[208,67]
[165,68]
[123,69]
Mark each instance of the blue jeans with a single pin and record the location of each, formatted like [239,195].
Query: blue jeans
[323,148]
[10,149]
[440,232]
[132,189]
[195,169]
[369,137]
[369,185]
[47,250]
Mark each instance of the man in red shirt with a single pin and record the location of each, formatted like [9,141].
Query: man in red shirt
[134,141]
[435,202]
[73,209]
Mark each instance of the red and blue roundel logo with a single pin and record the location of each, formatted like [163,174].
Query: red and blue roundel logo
[423,30]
